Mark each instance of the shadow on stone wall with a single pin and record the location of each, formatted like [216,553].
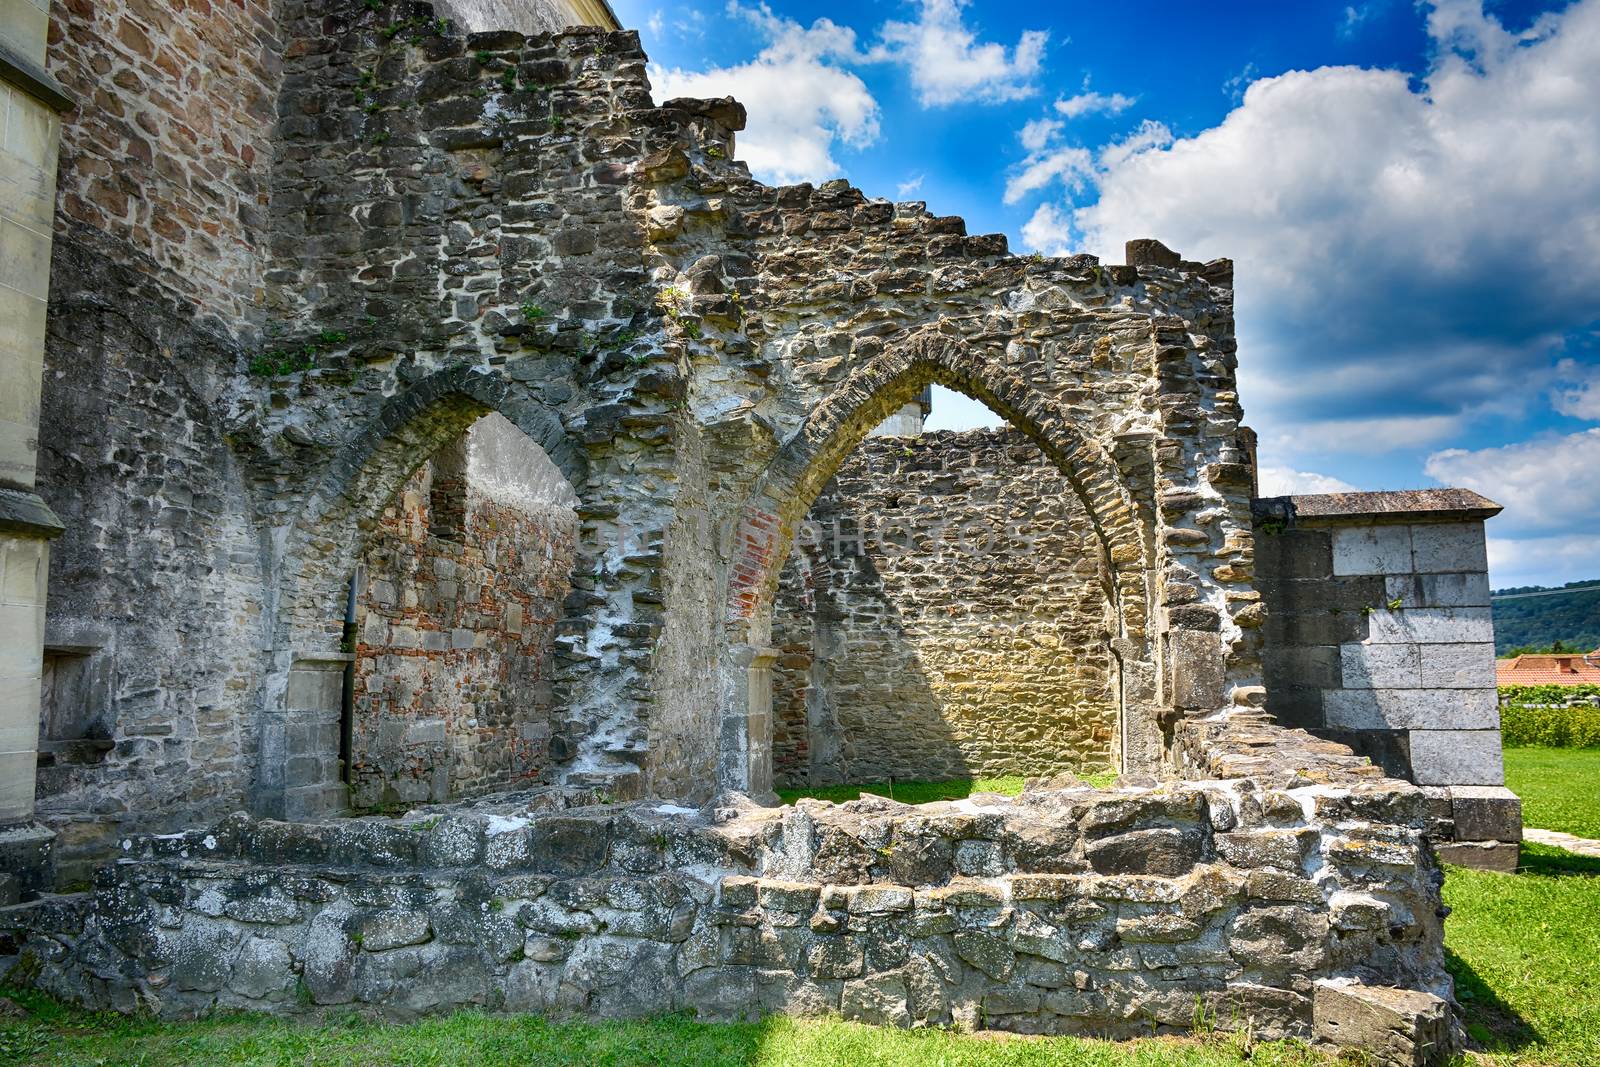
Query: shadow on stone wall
[941,617]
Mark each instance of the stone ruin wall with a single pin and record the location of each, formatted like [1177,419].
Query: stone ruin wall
[452,692]
[948,619]
[1299,900]
[693,334]
[151,166]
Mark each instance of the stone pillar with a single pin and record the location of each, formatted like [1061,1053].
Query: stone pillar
[1379,636]
[744,744]
[30,133]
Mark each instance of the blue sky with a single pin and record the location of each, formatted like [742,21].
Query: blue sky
[1411,193]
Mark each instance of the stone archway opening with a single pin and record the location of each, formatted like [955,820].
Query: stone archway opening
[1108,577]
[459,598]
[424,632]
[943,615]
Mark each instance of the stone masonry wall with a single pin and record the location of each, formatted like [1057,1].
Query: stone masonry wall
[1263,901]
[168,149]
[453,691]
[156,592]
[503,223]
[1379,636]
[944,615]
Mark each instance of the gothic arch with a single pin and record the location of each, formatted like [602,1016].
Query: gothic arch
[782,494]
[297,774]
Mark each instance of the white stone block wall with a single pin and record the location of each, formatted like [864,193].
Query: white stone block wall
[1426,664]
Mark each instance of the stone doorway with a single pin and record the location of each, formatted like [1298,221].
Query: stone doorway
[459,598]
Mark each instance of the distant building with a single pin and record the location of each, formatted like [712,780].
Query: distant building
[1562,668]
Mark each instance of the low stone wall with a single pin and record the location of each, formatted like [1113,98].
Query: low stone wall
[1075,910]
[943,615]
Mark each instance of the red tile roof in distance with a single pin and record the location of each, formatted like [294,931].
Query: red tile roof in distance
[1566,668]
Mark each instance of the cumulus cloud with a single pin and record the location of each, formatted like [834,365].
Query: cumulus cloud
[1039,132]
[1418,247]
[910,185]
[1087,103]
[1049,231]
[1283,481]
[804,97]
[1546,484]
[1577,391]
[949,65]
[1070,165]
[800,97]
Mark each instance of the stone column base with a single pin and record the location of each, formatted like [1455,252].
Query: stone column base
[1476,825]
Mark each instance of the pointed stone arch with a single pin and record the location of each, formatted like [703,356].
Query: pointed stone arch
[298,742]
[764,529]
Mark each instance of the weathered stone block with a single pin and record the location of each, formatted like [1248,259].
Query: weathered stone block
[1456,757]
[1394,1027]
[1372,550]
[1411,709]
[1164,851]
[1485,813]
[1449,547]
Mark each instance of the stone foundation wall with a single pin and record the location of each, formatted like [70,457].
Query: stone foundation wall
[1379,636]
[453,690]
[1113,912]
[944,614]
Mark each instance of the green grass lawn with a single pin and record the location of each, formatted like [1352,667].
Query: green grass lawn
[1559,787]
[926,792]
[1525,952]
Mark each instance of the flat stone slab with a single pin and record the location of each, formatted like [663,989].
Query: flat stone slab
[1583,846]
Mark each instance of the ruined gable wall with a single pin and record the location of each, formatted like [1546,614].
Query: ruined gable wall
[948,619]
[453,690]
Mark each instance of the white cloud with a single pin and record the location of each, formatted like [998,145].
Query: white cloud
[1048,231]
[1365,436]
[1577,392]
[1282,481]
[1070,165]
[799,101]
[1037,133]
[947,63]
[656,23]
[1087,103]
[1546,484]
[1397,248]
[1148,135]
[910,185]
[1542,560]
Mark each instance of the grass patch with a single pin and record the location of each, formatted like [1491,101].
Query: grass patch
[1523,948]
[927,792]
[1559,787]
[56,1035]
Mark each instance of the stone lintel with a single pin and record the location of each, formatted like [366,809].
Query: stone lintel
[33,80]
[25,514]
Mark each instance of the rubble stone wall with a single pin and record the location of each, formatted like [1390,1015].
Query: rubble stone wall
[943,615]
[1075,911]
[460,225]
[452,692]
[157,588]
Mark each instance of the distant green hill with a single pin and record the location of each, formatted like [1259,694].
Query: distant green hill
[1538,615]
